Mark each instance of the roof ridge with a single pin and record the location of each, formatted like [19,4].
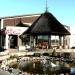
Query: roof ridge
[19,15]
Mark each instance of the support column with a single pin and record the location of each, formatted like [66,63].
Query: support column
[36,39]
[1,27]
[60,42]
[7,44]
[20,44]
[68,41]
[19,41]
[34,43]
[0,40]
[2,23]
[31,41]
[64,41]
[49,41]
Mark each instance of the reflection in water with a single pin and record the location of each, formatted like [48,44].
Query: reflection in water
[43,67]
[73,71]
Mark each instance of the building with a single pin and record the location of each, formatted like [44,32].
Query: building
[12,28]
[16,30]
[46,26]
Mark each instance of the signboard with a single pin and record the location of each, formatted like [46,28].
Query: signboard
[15,30]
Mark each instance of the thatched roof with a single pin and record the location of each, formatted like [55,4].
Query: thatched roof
[47,24]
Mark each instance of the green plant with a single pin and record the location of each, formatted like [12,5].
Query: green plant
[50,53]
[14,65]
[54,53]
[58,54]
[13,56]
[45,54]
[36,54]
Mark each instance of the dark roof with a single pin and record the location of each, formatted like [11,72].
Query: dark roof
[20,24]
[47,24]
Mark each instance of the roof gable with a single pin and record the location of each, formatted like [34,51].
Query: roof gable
[20,24]
[47,24]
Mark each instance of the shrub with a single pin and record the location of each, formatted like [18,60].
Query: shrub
[36,54]
[14,65]
[58,55]
[45,54]
[50,54]
[54,53]
[13,56]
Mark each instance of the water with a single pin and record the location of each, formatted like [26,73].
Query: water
[43,67]
[73,71]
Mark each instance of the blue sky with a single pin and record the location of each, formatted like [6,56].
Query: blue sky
[63,10]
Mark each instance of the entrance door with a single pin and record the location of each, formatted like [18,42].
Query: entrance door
[13,41]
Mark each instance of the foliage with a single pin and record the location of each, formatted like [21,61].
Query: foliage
[13,56]
[36,54]
[54,53]
[14,65]
[45,54]
[58,54]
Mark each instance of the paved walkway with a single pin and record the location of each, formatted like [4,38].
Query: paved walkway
[4,73]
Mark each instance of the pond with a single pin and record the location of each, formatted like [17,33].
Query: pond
[43,67]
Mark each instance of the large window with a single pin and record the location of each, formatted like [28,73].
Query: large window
[42,41]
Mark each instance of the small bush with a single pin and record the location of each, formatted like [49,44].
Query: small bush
[45,54]
[58,55]
[54,53]
[14,65]
[13,56]
[36,54]
[50,54]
